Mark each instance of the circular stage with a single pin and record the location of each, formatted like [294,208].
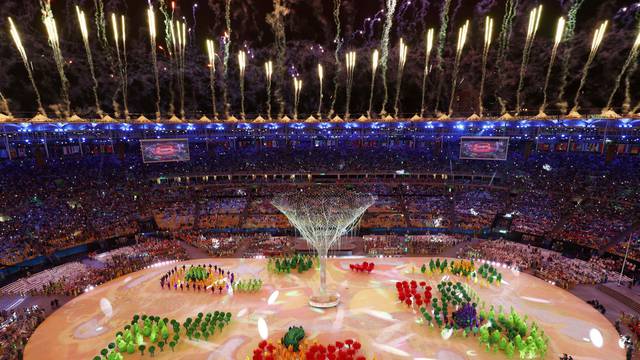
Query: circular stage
[368,312]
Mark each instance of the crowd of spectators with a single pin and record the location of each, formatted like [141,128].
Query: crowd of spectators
[237,245]
[216,245]
[631,243]
[546,264]
[429,206]
[536,211]
[54,208]
[266,245]
[476,209]
[74,200]
[73,278]
[382,220]
[433,244]
[611,264]
[596,221]
[389,245]
[16,326]
[59,279]
[222,212]
[632,322]
[394,245]
[386,212]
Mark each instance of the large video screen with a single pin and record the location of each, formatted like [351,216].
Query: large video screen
[484,148]
[164,150]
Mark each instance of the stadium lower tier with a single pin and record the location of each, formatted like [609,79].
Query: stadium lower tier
[373,312]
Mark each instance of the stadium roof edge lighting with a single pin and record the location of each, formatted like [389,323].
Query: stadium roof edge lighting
[260,120]
[460,125]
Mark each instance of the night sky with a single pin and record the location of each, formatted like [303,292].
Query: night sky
[310,32]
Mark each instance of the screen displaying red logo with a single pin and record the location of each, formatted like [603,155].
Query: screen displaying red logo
[482,147]
[162,150]
[165,149]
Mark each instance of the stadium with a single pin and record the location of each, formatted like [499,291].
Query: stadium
[385,179]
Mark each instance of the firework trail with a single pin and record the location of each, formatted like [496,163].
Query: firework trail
[27,65]
[336,55]
[4,105]
[374,67]
[116,39]
[320,80]
[402,59]
[554,52]
[627,88]
[399,16]
[276,20]
[442,38]
[225,63]
[504,40]
[101,27]
[169,41]
[211,54]
[183,52]
[568,36]
[297,87]
[195,21]
[151,19]
[409,15]
[179,41]
[125,66]
[506,29]
[454,13]
[101,33]
[626,105]
[350,59]
[82,20]
[384,45]
[462,39]
[367,29]
[242,64]
[534,21]
[428,46]
[54,43]
[595,45]
[268,70]
[488,36]
[631,59]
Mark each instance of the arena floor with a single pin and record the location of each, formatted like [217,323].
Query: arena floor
[369,312]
